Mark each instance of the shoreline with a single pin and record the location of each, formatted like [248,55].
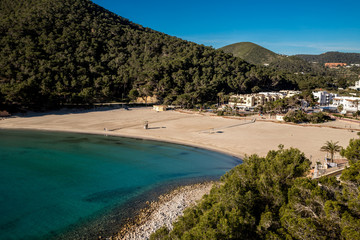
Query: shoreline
[136,137]
[164,211]
[233,137]
[161,206]
[230,136]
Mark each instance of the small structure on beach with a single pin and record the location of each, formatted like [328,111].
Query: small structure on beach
[4,114]
[279,117]
[146,124]
[160,108]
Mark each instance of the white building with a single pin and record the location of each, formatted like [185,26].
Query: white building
[324,98]
[357,86]
[289,93]
[246,101]
[349,104]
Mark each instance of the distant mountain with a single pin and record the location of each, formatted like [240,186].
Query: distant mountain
[332,57]
[251,53]
[259,55]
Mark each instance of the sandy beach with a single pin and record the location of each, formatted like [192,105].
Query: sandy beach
[234,136]
[230,135]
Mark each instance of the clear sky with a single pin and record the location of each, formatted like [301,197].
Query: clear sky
[285,27]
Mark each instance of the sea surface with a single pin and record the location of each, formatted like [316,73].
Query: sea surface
[65,185]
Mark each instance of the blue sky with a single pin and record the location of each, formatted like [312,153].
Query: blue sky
[285,27]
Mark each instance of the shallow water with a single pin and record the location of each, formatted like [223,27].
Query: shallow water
[52,183]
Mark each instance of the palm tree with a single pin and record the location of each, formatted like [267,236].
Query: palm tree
[332,148]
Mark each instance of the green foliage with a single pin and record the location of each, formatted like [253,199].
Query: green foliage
[352,173]
[161,233]
[318,117]
[297,116]
[352,152]
[332,148]
[332,57]
[305,73]
[73,51]
[246,204]
[251,52]
[267,198]
[294,102]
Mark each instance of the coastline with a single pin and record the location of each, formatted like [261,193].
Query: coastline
[95,227]
[164,211]
[233,137]
[140,137]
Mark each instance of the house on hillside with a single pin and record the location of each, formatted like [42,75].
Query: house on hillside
[335,65]
[357,86]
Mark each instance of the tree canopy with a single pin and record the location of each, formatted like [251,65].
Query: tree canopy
[269,198]
[352,152]
[61,52]
[73,51]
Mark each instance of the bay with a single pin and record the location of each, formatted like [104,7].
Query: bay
[55,183]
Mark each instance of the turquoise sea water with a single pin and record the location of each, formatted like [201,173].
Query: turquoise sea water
[60,185]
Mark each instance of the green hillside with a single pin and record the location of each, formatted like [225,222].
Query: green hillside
[73,51]
[332,57]
[251,53]
[258,55]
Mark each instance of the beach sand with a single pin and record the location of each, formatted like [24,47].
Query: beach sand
[234,136]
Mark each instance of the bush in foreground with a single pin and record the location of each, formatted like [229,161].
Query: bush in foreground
[268,198]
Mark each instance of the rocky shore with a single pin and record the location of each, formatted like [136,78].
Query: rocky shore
[165,211]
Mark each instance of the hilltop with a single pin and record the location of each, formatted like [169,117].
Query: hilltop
[251,53]
[332,57]
[259,55]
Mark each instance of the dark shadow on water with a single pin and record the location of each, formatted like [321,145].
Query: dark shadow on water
[110,195]
[173,175]
[184,153]
[110,222]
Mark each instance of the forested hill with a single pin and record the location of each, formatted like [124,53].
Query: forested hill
[251,52]
[73,51]
[332,57]
[259,55]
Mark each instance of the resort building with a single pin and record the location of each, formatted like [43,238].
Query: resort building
[349,104]
[324,98]
[357,86]
[289,93]
[246,101]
